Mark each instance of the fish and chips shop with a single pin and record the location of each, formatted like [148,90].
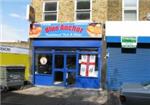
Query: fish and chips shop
[66,54]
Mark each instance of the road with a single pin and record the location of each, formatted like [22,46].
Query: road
[136,101]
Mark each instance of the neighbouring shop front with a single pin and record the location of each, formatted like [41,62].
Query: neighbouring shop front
[128,53]
[66,54]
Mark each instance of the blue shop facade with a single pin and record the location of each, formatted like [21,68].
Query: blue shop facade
[128,51]
[65,54]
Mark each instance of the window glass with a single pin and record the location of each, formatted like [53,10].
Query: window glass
[83,10]
[43,64]
[71,61]
[130,15]
[130,3]
[51,6]
[50,16]
[59,61]
[83,15]
[83,4]
[88,65]
[50,11]
[130,10]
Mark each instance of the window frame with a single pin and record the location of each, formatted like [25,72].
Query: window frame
[57,10]
[130,9]
[75,12]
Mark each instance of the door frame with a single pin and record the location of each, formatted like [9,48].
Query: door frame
[65,70]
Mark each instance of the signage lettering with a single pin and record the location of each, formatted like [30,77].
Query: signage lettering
[64,27]
[128,42]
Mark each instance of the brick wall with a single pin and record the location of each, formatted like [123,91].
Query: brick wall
[102,10]
[67,12]
[144,8]
[38,6]
[99,10]
[114,10]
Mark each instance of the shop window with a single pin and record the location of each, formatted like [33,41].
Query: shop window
[59,61]
[130,10]
[83,9]
[88,49]
[88,65]
[50,11]
[71,61]
[43,64]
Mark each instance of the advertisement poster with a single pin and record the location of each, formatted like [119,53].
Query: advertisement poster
[70,30]
[87,67]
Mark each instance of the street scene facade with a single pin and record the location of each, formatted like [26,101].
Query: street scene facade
[95,50]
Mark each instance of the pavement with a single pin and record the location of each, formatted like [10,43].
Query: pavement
[113,98]
[54,96]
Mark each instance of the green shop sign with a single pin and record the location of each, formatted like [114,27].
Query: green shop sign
[128,42]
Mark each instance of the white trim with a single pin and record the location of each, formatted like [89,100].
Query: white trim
[27,12]
[57,11]
[75,13]
[137,10]
[130,8]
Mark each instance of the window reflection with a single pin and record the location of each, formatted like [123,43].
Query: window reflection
[59,61]
[71,61]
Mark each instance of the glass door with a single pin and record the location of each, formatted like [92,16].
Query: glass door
[59,69]
[64,69]
[71,65]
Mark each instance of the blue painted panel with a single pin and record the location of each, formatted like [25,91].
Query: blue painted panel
[86,82]
[144,39]
[67,43]
[128,67]
[43,79]
[113,39]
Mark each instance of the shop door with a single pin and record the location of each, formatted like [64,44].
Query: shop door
[65,69]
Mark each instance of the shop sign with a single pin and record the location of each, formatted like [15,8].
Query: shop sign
[7,49]
[60,30]
[128,42]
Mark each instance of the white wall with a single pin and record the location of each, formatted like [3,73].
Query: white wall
[128,28]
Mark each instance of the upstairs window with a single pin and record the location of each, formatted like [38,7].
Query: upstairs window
[83,9]
[130,10]
[50,11]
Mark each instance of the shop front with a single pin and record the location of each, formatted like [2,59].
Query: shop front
[128,53]
[65,55]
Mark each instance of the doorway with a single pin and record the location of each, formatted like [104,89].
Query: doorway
[65,68]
